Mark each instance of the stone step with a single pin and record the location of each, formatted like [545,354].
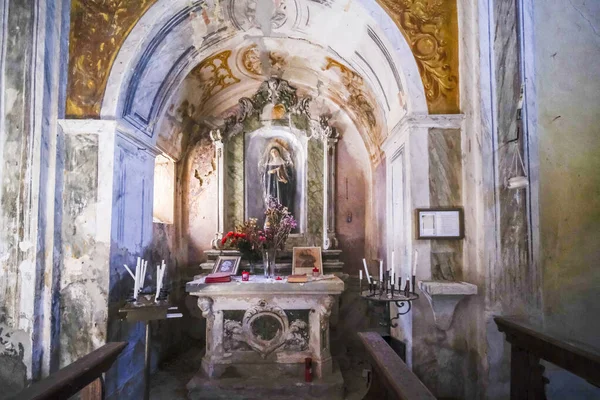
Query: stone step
[265,387]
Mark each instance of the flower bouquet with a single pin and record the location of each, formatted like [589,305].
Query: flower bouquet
[279,222]
[247,239]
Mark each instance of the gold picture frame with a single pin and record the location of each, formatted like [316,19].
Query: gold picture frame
[227,264]
[304,259]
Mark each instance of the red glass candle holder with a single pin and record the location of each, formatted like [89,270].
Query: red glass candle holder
[308,369]
[245,276]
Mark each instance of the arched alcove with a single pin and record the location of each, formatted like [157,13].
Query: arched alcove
[193,84]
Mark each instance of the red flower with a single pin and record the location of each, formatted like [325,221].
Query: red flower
[223,241]
[229,234]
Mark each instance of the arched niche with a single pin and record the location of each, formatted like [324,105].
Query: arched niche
[277,119]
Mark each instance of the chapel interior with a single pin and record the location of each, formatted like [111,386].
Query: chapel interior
[436,163]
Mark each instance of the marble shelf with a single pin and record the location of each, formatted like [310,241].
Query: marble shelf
[444,296]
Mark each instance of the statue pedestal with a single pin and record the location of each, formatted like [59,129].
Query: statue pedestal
[266,328]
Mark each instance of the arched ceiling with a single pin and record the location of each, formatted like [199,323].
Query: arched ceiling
[346,46]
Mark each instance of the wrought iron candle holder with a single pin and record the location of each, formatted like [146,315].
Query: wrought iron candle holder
[382,293]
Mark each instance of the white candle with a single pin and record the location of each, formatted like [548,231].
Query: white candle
[360,274]
[393,267]
[414,268]
[366,271]
[380,270]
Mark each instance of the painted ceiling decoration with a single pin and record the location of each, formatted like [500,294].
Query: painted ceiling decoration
[214,74]
[431,29]
[98,30]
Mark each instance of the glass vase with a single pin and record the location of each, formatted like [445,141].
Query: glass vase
[269,257]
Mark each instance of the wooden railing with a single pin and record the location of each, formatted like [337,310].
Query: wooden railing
[391,378]
[530,344]
[83,375]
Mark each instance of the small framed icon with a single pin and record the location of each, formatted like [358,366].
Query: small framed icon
[227,264]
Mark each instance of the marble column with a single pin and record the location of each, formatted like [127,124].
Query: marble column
[331,137]
[220,156]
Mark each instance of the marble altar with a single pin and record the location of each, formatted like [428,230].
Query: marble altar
[263,322]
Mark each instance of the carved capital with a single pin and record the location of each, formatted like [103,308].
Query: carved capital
[325,308]
[205,304]
[216,135]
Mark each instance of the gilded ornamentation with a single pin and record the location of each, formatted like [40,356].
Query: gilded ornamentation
[214,74]
[250,58]
[358,100]
[98,29]
[431,29]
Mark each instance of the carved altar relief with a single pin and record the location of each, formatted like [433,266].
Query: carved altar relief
[265,328]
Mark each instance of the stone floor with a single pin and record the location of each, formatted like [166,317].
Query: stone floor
[169,383]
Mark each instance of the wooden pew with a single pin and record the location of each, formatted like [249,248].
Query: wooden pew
[530,343]
[83,375]
[391,378]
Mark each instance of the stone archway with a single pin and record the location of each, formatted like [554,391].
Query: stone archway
[175,52]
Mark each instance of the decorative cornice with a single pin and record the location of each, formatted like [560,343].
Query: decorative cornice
[416,121]
[431,29]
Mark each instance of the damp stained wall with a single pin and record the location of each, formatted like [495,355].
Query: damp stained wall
[567,47]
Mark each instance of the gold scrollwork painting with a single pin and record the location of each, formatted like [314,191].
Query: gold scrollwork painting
[214,74]
[98,29]
[431,29]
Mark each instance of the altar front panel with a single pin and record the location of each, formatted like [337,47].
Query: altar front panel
[259,324]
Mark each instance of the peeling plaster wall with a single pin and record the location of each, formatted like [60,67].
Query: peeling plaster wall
[201,199]
[17,252]
[84,275]
[31,45]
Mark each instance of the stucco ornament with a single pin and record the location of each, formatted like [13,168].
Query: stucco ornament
[250,59]
[357,97]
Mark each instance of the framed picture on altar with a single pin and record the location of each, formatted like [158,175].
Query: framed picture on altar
[305,259]
[227,264]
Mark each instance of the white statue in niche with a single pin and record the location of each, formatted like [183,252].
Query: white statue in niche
[277,171]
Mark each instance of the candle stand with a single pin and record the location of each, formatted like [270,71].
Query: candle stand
[145,309]
[404,304]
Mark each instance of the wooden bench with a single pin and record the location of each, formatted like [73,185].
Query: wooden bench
[530,343]
[83,375]
[391,378]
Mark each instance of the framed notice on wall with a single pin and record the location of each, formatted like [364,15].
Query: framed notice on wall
[440,223]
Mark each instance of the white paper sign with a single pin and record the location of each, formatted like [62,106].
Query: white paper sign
[439,224]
